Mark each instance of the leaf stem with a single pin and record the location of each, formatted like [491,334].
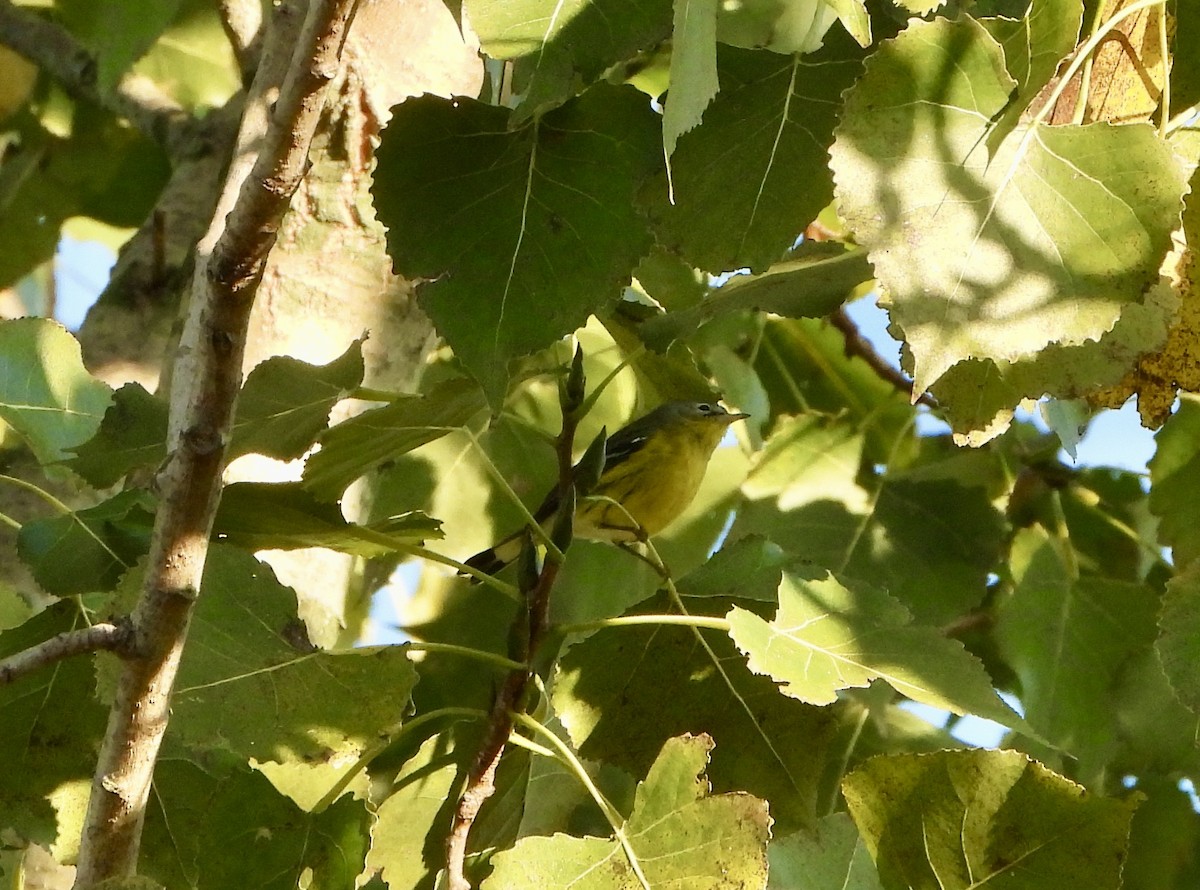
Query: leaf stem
[466,652]
[1081,55]
[684,620]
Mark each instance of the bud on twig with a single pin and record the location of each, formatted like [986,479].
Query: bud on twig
[564,522]
[591,465]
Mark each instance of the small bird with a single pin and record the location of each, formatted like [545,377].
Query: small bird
[653,468]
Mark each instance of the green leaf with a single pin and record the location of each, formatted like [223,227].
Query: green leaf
[193,61]
[1163,840]
[233,830]
[52,727]
[132,434]
[1158,733]
[286,516]
[1052,627]
[368,440]
[623,692]
[557,45]
[679,832]
[283,406]
[811,286]
[285,403]
[747,569]
[401,844]
[693,69]
[833,857]
[46,395]
[91,549]
[95,166]
[788,27]
[1178,639]
[119,33]
[830,635]
[1033,46]
[775,115]
[960,819]
[1045,242]
[803,366]
[522,233]
[1175,474]
[929,543]
[977,397]
[250,682]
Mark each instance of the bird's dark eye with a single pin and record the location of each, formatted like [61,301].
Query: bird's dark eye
[704,408]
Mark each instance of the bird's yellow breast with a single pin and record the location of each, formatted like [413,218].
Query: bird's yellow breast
[654,486]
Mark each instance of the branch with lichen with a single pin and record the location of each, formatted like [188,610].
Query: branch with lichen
[229,267]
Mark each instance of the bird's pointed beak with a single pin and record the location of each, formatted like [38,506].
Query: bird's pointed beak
[733,418]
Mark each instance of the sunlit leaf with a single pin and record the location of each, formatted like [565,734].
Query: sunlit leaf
[997,258]
[829,635]
[45,392]
[678,832]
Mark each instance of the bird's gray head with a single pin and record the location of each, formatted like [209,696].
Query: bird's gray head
[697,410]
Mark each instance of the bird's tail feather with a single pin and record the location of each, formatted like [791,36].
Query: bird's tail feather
[494,559]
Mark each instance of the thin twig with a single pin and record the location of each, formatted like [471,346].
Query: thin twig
[56,51]
[534,622]
[858,345]
[99,637]
[204,390]
[243,24]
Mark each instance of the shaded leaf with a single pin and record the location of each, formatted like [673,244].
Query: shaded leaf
[960,819]
[623,692]
[285,403]
[1175,474]
[522,233]
[775,114]
[750,568]
[1179,635]
[1068,639]
[88,550]
[247,683]
[833,857]
[52,727]
[812,286]
[929,543]
[693,70]
[132,434]
[405,830]
[367,440]
[286,516]
[556,45]
[206,831]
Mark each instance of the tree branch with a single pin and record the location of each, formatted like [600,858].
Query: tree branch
[56,51]
[206,378]
[858,345]
[97,638]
